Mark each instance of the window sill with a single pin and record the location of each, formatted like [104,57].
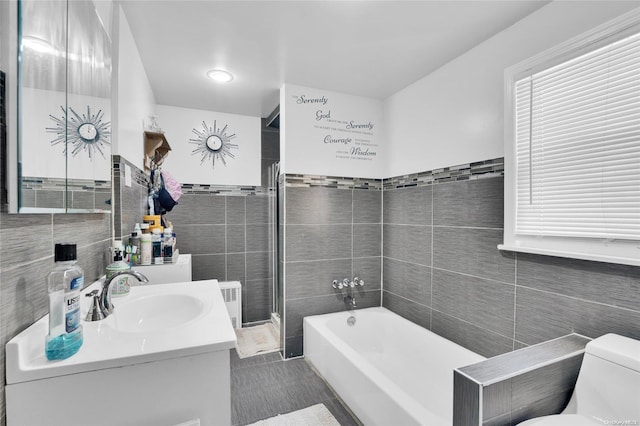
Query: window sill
[574,255]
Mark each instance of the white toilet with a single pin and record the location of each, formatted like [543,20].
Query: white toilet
[608,388]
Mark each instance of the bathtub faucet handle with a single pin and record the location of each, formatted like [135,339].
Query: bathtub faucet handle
[358,281]
[337,284]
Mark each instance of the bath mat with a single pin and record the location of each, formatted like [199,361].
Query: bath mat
[257,340]
[316,415]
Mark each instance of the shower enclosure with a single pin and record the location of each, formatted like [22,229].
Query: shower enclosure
[274,189]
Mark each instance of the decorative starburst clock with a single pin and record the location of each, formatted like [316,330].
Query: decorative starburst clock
[86,132]
[213,144]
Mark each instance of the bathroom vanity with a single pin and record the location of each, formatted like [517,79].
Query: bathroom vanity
[179,271]
[162,358]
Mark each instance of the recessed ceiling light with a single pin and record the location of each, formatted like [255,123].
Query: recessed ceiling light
[220,76]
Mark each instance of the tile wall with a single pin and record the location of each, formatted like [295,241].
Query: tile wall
[26,257]
[442,270]
[47,192]
[229,239]
[129,202]
[331,231]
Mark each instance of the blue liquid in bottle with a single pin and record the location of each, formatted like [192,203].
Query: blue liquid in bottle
[64,283]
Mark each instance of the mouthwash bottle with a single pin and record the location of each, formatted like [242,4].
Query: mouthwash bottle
[64,283]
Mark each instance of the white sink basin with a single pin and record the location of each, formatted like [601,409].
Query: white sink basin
[156,312]
[153,322]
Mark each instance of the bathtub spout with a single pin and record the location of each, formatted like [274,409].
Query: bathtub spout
[350,301]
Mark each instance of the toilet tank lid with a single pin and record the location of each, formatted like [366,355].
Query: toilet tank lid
[618,349]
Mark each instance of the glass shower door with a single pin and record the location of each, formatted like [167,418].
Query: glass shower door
[274,220]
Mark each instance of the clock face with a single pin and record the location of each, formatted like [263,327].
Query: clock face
[88,132]
[214,142]
[81,132]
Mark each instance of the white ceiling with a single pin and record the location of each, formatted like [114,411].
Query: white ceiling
[365,48]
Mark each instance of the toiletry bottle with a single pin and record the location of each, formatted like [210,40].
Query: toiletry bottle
[156,246]
[135,243]
[120,286]
[64,284]
[145,249]
[167,245]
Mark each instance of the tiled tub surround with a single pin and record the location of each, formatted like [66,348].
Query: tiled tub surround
[442,270]
[516,386]
[228,237]
[26,247]
[331,231]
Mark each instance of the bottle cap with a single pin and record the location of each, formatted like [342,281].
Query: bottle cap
[65,252]
[156,231]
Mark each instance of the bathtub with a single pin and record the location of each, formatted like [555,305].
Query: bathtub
[388,370]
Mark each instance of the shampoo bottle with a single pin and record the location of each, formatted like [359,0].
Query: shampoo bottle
[64,284]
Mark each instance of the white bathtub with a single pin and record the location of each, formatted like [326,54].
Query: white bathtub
[388,370]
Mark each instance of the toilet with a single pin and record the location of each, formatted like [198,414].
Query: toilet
[607,391]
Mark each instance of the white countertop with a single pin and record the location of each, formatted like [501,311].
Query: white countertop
[106,345]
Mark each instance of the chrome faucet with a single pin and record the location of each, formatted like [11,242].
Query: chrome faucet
[106,307]
[346,287]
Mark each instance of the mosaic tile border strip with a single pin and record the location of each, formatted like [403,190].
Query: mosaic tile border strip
[469,171]
[308,181]
[60,184]
[234,190]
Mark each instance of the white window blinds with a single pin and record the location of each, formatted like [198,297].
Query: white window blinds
[577,146]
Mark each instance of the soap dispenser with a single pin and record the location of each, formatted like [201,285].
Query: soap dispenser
[120,286]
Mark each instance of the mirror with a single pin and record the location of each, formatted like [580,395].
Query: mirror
[64,108]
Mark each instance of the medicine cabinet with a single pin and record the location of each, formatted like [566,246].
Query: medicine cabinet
[62,108]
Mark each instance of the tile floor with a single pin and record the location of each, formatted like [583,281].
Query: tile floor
[264,386]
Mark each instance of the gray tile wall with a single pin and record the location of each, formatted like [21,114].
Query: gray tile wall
[26,257]
[229,239]
[330,233]
[443,271]
[59,193]
[129,203]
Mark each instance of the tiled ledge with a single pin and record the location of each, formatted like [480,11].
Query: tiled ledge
[513,387]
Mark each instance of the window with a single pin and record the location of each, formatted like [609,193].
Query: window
[572,148]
